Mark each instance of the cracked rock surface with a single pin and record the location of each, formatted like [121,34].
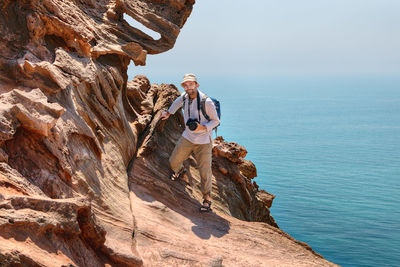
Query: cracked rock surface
[84,156]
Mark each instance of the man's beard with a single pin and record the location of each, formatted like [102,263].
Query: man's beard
[191,92]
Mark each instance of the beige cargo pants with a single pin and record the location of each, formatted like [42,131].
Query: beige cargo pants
[203,156]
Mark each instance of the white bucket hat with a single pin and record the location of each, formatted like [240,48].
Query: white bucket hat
[189,77]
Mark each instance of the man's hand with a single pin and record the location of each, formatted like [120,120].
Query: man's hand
[200,127]
[165,115]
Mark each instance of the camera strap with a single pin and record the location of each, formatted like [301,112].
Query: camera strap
[198,105]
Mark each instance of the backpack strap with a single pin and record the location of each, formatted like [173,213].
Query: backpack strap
[203,110]
[184,99]
[203,107]
[199,105]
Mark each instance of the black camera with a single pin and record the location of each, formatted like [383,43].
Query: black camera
[192,124]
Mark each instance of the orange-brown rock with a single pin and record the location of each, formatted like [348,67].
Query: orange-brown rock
[170,229]
[67,126]
[84,157]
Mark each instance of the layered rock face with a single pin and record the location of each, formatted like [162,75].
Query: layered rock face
[84,157]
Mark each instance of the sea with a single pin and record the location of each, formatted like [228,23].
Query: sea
[328,148]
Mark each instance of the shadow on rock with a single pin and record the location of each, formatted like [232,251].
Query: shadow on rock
[205,225]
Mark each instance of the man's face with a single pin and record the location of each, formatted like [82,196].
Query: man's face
[190,87]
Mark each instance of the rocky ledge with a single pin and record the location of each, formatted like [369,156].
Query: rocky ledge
[84,156]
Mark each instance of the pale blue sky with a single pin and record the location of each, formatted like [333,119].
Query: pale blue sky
[286,37]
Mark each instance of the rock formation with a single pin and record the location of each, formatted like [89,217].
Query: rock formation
[84,156]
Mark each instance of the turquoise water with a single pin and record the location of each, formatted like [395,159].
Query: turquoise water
[329,149]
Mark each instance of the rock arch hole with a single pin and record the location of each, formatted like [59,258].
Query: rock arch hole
[136,24]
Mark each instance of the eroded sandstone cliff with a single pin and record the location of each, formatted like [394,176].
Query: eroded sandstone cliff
[84,156]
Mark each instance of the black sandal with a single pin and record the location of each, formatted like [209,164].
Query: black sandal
[205,208]
[175,176]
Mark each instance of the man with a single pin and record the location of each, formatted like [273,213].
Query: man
[197,137]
